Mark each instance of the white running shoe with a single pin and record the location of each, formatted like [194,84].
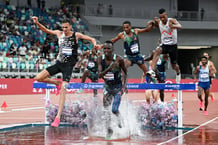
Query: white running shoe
[151,73]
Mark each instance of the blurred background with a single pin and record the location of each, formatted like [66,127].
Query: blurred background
[24,50]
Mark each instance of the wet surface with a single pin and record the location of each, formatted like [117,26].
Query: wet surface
[69,135]
[204,136]
[64,135]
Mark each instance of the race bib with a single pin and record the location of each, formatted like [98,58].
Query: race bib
[204,76]
[91,64]
[67,51]
[168,40]
[109,76]
[134,48]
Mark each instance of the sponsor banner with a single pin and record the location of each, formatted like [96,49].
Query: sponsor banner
[129,86]
[25,86]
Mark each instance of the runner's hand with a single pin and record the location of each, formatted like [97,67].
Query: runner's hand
[35,19]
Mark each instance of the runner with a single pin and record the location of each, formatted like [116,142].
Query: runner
[203,71]
[66,60]
[110,67]
[211,64]
[131,44]
[168,30]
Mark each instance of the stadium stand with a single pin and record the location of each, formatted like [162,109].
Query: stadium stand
[24,50]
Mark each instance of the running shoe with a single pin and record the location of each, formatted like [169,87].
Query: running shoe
[56,122]
[205,113]
[151,73]
[58,88]
[201,106]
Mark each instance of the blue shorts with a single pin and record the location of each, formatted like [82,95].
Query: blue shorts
[135,59]
[204,85]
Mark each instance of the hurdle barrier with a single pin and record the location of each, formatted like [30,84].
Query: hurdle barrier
[179,87]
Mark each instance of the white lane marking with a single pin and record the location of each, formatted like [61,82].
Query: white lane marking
[21,109]
[24,109]
[188,131]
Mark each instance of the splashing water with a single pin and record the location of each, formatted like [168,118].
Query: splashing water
[133,117]
[97,118]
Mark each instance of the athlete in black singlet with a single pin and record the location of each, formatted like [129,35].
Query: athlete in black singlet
[66,60]
[110,67]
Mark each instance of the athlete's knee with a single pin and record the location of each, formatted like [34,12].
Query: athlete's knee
[42,76]
[64,85]
[39,79]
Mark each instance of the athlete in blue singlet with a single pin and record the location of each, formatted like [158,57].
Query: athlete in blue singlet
[131,44]
[110,68]
[204,71]
[211,64]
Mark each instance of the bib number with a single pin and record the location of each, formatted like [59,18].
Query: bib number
[91,64]
[109,76]
[67,51]
[134,48]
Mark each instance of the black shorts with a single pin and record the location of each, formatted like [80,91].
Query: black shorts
[65,68]
[172,51]
[210,80]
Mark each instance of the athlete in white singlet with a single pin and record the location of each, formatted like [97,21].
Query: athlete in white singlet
[168,30]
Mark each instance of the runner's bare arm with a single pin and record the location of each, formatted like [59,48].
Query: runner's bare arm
[43,28]
[214,68]
[86,37]
[174,24]
[118,37]
[149,27]
[156,22]
[101,73]
[195,73]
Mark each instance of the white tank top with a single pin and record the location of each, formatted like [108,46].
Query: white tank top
[168,35]
[204,74]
